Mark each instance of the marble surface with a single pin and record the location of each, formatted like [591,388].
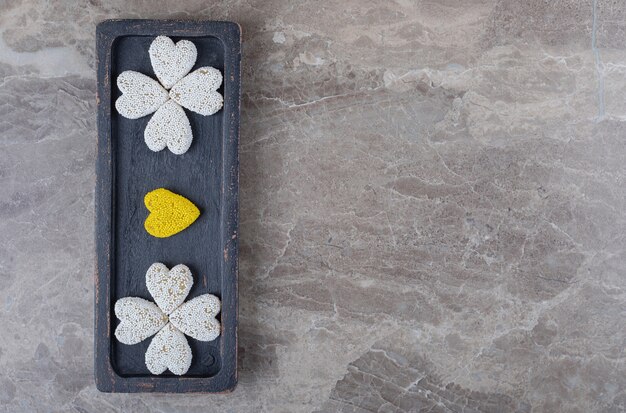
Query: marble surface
[432,206]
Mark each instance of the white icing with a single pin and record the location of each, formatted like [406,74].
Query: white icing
[141,95]
[171,62]
[198,91]
[169,127]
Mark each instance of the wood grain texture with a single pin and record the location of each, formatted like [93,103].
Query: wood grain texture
[208,175]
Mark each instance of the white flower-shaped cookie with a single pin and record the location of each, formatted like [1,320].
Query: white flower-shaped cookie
[195,91]
[170,319]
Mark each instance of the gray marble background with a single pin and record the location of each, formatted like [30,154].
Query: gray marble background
[432,206]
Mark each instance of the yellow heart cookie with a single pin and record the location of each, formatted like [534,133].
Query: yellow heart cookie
[170,213]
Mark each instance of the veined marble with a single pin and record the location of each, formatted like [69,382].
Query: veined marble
[433,206]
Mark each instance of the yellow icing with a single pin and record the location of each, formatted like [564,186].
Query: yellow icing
[170,213]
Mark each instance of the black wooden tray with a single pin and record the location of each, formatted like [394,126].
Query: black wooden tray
[208,175]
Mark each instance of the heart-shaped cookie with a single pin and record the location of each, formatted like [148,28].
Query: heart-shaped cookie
[169,350]
[169,127]
[139,318]
[171,62]
[196,317]
[141,95]
[169,288]
[198,91]
[170,213]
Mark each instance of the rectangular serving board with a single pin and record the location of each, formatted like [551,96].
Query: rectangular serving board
[208,175]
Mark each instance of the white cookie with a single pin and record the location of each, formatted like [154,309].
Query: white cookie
[139,318]
[168,287]
[198,91]
[169,350]
[171,62]
[169,127]
[196,317]
[141,95]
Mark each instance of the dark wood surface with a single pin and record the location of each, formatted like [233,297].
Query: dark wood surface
[208,175]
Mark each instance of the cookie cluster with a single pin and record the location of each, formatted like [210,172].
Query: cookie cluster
[169,317]
[169,127]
